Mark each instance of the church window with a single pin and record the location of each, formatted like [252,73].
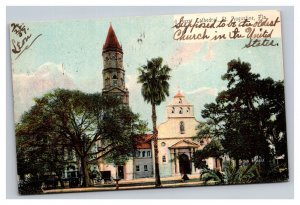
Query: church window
[137,168]
[148,154]
[180,111]
[173,109]
[163,144]
[181,125]
[107,82]
[138,153]
[115,80]
[164,159]
[180,100]
[188,110]
[143,154]
[70,154]
[145,168]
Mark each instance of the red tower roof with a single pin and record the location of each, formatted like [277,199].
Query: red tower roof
[111,42]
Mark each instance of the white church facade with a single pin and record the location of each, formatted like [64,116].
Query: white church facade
[175,140]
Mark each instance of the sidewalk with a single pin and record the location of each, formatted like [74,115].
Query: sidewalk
[143,183]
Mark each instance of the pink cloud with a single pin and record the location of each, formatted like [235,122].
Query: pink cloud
[183,54]
[28,86]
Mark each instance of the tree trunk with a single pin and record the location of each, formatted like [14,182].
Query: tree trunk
[86,182]
[155,132]
[237,165]
[62,184]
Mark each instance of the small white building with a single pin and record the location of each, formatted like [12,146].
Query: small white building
[142,161]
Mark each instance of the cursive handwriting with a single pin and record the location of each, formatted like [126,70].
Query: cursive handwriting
[260,42]
[25,40]
[18,29]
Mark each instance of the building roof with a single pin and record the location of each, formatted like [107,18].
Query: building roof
[179,99]
[179,94]
[185,144]
[111,42]
[144,142]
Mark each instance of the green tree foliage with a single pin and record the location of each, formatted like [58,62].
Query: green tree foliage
[154,78]
[213,149]
[208,175]
[78,120]
[245,174]
[249,117]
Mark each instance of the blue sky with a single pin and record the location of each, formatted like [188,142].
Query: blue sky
[196,67]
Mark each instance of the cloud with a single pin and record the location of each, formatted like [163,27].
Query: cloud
[204,90]
[131,83]
[28,86]
[210,53]
[183,54]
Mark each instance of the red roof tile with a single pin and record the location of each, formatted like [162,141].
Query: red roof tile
[144,142]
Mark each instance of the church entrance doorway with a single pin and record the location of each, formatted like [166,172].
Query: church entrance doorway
[184,164]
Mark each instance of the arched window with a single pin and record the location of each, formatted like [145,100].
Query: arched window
[180,101]
[164,159]
[180,111]
[138,153]
[173,109]
[107,82]
[143,154]
[115,80]
[148,154]
[181,126]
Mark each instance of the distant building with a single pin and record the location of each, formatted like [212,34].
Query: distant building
[142,161]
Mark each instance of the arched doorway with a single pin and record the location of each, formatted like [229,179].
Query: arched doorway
[184,164]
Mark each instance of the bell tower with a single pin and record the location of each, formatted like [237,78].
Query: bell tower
[113,72]
[179,107]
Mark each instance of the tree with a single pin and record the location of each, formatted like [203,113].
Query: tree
[81,120]
[249,117]
[39,153]
[213,149]
[155,87]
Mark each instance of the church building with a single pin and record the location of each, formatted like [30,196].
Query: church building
[175,140]
[113,74]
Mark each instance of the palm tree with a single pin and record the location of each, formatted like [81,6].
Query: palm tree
[155,87]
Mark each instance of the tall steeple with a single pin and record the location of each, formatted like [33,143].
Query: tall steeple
[113,71]
[111,42]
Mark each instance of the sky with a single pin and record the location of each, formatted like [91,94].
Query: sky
[68,55]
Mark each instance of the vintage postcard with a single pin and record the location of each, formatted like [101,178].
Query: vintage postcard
[149,102]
